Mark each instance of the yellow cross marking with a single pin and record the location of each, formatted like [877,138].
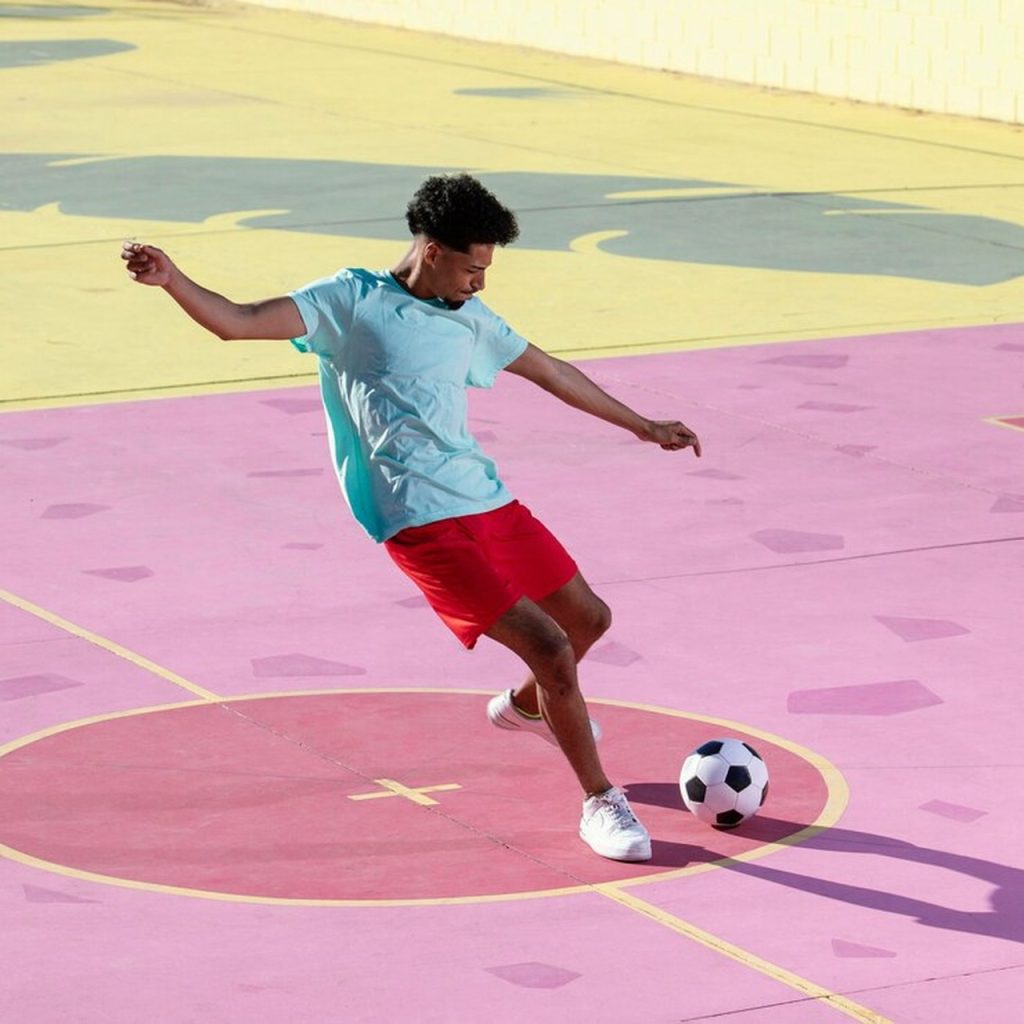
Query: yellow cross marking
[397,789]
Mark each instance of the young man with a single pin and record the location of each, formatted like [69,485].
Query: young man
[397,350]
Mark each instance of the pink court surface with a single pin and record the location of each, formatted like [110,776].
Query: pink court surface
[245,774]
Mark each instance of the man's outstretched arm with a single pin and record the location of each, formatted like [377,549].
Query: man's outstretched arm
[272,319]
[572,386]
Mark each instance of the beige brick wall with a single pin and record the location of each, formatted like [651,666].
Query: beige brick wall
[949,56]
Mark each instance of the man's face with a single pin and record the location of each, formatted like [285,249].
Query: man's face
[456,276]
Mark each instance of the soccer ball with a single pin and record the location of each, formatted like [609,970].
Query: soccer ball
[724,782]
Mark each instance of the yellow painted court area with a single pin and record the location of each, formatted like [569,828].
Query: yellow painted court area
[230,83]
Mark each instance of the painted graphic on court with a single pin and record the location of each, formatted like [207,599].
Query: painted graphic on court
[718,223]
[369,796]
[18,53]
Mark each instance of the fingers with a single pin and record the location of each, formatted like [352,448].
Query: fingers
[131,249]
[680,436]
[140,259]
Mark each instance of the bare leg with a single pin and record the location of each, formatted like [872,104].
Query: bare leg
[584,618]
[529,631]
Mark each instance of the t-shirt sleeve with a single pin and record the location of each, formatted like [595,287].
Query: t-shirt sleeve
[496,346]
[326,309]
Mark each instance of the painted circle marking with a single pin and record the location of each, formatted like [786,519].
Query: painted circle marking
[378,797]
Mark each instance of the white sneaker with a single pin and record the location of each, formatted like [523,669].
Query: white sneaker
[609,827]
[503,714]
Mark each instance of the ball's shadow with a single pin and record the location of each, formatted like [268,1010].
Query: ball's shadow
[668,854]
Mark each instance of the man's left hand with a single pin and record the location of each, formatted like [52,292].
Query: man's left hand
[672,436]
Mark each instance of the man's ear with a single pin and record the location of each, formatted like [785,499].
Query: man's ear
[431,252]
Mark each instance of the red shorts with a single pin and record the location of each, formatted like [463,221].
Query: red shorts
[472,569]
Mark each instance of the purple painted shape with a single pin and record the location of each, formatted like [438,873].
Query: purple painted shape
[37,894]
[890,698]
[857,450]
[1008,503]
[287,665]
[840,947]
[715,474]
[814,362]
[725,501]
[302,545]
[293,406]
[123,573]
[794,541]
[20,687]
[534,975]
[955,812]
[33,444]
[1010,346]
[72,510]
[485,436]
[418,601]
[613,653]
[285,472]
[833,407]
[913,630]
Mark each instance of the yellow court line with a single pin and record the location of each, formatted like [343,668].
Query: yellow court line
[741,956]
[1000,421]
[681,193]
[107,645]
[835,803]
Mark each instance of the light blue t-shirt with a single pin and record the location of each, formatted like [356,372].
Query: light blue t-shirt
[393,376]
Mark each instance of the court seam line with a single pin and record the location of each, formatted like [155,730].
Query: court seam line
[147,390]
[812,561]
[509,145]
[758,89]
[743,192]
[695,343]
[805,435]
[855,992]
[376,124]
[914,224]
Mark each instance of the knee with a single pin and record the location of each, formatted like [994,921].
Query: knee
[593,626]
[554,658]
[602,620]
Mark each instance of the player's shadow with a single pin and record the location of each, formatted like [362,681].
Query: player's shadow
[1004,919]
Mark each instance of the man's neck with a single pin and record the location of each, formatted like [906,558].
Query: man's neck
[408,272]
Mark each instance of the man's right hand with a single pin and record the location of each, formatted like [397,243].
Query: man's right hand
[147,264]
[271,319]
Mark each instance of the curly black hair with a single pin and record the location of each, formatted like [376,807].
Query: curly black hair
[457,211]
